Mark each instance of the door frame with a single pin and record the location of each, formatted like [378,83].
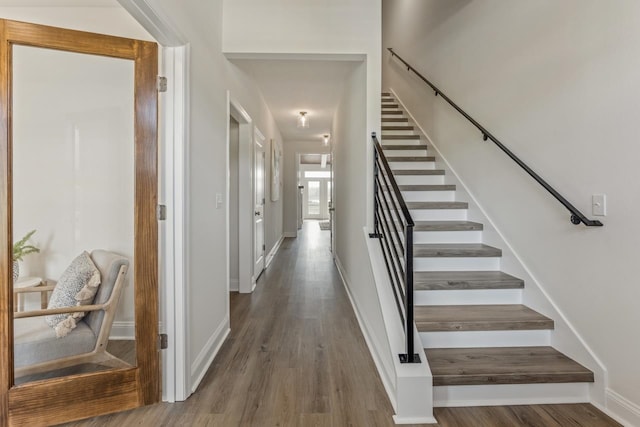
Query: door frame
[113,390]
[246,284]
[258,150]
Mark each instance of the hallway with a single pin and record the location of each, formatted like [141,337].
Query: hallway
[296,357]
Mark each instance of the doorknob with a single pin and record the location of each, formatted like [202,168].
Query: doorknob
[332,209]
[257,213]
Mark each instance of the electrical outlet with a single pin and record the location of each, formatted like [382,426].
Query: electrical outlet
[218,200]
[599,204]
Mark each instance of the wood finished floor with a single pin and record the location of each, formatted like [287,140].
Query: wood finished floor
[296,357]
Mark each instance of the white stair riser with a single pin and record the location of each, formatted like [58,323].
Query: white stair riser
[393,116]
[510,394]
[412,165]
[400,142]
[419,179]
[429,196]
[407,141]
[438,214]
[398,132]
[447,236]
[469,339]
[456,264]
[398,153]
[468,297]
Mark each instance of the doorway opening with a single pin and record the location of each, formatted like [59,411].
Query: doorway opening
[316,185]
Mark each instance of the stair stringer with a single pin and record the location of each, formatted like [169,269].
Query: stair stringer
[564,337]
[411,393]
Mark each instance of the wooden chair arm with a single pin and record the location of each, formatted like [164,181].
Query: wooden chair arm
[40,288]
[62,310]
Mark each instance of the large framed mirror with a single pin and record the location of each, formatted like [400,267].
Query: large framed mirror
[78,231]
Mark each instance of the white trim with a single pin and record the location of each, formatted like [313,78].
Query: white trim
[233,285]
[510,394]
[245,192]
[414,420]
[156,24]
[123,330]
[273,251]
[387,381]
[209,351]
[173,248]
[292,234]
[621,409]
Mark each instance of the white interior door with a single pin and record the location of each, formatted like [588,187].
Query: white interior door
[258,208]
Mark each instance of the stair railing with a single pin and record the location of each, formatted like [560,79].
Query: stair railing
[393,226]
[577,217]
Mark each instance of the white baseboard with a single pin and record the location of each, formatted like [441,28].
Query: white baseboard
[621,409]
[414,420]
[272,253]
[293,234]
[510,394]
[201,364]
[234,285]
[386,381]
[123,331]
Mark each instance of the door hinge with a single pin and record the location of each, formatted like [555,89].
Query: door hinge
[264,248]
[162,212]
[264,201]
[162,84]
[163,341]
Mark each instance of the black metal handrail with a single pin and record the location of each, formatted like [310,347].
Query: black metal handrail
[577,217]
[391,213]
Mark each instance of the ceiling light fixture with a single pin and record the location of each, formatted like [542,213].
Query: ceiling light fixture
[303,120]
[326,139]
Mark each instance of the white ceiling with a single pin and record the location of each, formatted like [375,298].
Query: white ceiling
[290,86]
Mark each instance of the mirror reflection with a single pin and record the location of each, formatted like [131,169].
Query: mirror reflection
[73,213]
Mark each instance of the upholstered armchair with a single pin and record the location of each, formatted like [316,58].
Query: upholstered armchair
[39,348]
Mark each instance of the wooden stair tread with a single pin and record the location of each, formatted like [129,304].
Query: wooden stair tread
[392,137]
[447,226]
[437,205]
[488,317]
[395,119]
[504,365]
[411,159]
[418,171]
[427,187]
[392,112]
[456,280]
[406,127]
[404,147]
[455,250]
[389,105]
[386,93]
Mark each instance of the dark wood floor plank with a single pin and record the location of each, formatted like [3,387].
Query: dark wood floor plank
[495,317]
[455,280]
[503,365]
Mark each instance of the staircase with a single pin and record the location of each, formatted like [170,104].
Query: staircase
[469,314]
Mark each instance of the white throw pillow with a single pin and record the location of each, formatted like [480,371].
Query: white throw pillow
[77,286]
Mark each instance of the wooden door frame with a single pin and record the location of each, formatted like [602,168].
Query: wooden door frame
[100,392]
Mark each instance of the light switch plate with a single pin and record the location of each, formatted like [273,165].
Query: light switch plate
[599,204]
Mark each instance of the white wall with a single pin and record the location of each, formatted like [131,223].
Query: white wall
[290,179]
[210,77]
[557,83]
[75,201]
